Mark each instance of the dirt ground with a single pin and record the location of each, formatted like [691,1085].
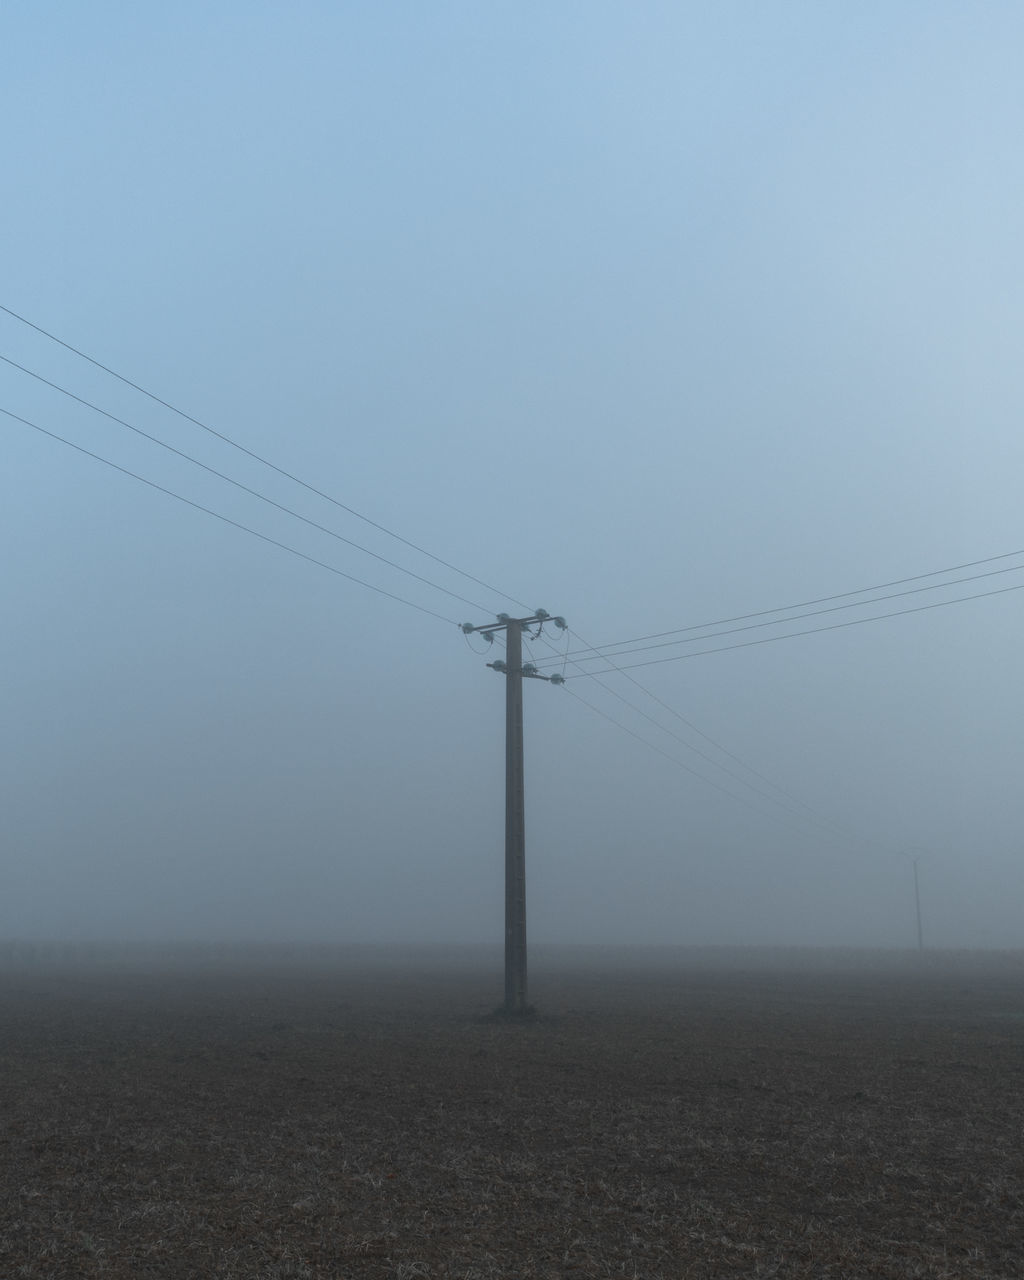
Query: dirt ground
[360,1114]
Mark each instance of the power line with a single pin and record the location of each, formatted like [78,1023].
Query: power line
[313,524]
[255,493]
[374,524]
[696,750]
[797,617]
[672,734]
[660,750]
[811,631]
[688,769]
[561,657]
[819,819]
[234,444]
[805,604]
[227,519]
[633,707]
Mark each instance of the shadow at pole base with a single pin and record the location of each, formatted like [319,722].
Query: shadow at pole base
[527,1013]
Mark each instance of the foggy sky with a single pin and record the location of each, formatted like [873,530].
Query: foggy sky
[649,315]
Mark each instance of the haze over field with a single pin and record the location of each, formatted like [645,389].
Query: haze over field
[650,315]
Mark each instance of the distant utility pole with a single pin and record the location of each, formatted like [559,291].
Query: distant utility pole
[915,858]
[917,904]
[514,670]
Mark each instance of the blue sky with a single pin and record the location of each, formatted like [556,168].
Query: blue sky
[648,314]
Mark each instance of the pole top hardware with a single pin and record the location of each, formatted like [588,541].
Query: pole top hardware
[528,671]
[542,615]
[505,620]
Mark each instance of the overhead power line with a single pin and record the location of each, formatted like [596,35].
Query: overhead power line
[696,773]
[651,720]
[234,444]
[564,658]
[618,645]
[312,523]
[814,613]
[180,453]
[810,631]
[758,792]
[817,818]
[784,819]
[235,524]
[810,815]
[653,747]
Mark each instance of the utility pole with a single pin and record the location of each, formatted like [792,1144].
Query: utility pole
[915,857]
[514,671]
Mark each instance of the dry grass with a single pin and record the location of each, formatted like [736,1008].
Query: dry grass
[359,1122]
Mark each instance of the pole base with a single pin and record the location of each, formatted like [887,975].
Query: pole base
[521,1013]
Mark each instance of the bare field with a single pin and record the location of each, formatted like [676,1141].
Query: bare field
[669,1115]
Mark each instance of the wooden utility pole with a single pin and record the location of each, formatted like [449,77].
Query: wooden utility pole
[515,809]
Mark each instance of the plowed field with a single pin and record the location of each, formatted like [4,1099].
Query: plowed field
[684,1115]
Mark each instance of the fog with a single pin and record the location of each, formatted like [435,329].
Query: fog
[648,315]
